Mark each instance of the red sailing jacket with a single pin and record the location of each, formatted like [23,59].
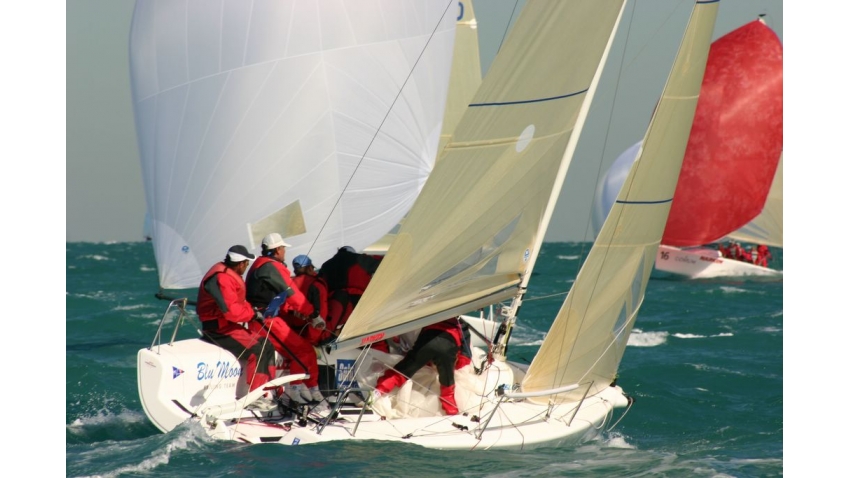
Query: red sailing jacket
[316,291]
[224,302]
[264,282]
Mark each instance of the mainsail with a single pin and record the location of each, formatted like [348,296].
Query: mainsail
[476,228]
[319,123]
[588,337]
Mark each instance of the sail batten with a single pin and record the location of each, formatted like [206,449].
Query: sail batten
[523,102]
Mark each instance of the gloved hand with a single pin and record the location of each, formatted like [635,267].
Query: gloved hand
[258,316]
[274,306]
[318,323]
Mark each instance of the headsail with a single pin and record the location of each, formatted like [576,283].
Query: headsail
[245,109]
[476,228]
[588,337]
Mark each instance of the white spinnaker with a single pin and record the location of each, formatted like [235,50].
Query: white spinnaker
[245,108]
[588,337]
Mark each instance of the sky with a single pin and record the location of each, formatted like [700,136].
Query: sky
[104,195]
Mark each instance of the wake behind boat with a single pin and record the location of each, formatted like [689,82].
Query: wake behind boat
[470,240]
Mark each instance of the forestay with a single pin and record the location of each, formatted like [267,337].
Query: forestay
[284,116]
[588,337]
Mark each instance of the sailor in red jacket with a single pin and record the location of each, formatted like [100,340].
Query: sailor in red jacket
[346,274]
[271,290]
[223,311]
[764,255]
[439,343]
[315,290]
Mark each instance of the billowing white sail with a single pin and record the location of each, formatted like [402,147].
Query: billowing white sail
[316,119]
[587,340]
[478,223]
[463,83]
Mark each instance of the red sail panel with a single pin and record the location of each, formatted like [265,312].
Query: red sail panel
[735,141]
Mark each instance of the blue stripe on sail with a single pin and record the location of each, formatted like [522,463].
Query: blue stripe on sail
[707,1]
[645,202]
[503,103]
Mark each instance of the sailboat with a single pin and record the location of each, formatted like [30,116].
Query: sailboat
[471,240]
[731,182]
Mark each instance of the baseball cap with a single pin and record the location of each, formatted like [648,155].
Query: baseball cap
[302,261]
[273,241]
[239,253]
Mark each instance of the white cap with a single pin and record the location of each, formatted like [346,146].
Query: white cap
[273,241]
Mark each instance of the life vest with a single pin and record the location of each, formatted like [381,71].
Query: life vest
[349,271]
[316,291]
[260,292]
[211,315]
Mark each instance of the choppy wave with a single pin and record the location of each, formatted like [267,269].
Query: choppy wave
[639,338]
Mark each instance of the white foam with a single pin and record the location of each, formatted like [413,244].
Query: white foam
[97,257]
[689,336]
[639,338]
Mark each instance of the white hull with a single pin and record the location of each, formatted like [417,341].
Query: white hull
[704,263]
[197,381]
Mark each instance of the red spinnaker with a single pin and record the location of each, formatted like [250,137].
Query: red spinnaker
[735,141]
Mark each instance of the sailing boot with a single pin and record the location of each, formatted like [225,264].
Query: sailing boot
[293,391]
[390,380]
[315,394]
[447,399]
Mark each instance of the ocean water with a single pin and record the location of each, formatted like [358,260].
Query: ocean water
[704,364]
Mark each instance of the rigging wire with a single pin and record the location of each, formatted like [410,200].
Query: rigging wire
[507,27]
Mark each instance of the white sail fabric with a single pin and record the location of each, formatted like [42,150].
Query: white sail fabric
[246,108]
[588,337]
[766,228]
[463,83]
[472,232]
[610,185]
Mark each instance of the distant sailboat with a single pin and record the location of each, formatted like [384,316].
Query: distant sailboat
[471,239]
[732,160]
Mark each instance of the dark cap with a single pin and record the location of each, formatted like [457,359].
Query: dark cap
[239,253]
